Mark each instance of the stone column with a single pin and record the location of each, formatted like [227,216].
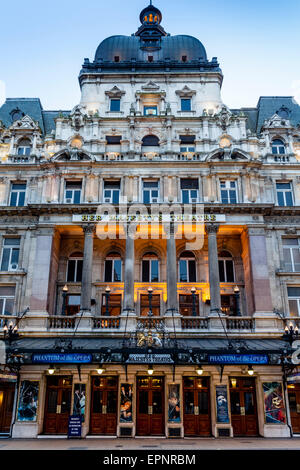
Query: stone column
[129,274]
[86,284]
[214,278]
[172,303]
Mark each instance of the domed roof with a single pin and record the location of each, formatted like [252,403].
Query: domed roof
[131,47]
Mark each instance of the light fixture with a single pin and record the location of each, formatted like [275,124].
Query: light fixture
[233,383]
[107,290]
[65,288]
[199,370]
[51,370]
[150,290]
[236,290]
[250,370]
[150,370]
[100,369]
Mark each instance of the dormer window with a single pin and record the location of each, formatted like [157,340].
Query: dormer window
[150,58]
[117,58]
[278,147]
[184,58]
[24,147]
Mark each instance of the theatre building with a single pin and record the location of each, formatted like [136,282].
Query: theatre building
[149,251]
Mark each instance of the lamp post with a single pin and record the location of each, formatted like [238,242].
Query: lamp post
[291,333]
[64,295]
[150,291]
[236,291]
[193,291]
[107,295]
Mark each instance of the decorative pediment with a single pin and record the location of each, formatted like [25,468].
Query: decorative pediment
[25,123]
[186,92]
[78,115]
[150,86]
[228,154]
[276,122]
[115,92]
[72,154]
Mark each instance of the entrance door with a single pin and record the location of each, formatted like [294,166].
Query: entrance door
[104,405]
[243,407]
[58,405]
[7,392]
[294,402]
[196,406]
[150,406]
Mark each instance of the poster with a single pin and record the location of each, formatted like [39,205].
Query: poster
[222,404]
[126,403]
[274,404]
[28,401]
[79,401]
[174,404]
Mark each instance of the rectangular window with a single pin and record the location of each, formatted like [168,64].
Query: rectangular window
[115,105]
[228,192]
[111,192]
[150,270]
[113,139]
[7,298]
[114,305]
[186,305]
[155,304]
[294,301]
[150,192]
[228,304]
[150,110]
[113,270]
[73,304]
[17,194]
[284,194]
[74,273]
[186,104]
[189,190]
[73,192]
[187,143]
[10,254]
[187,270]
[291,254]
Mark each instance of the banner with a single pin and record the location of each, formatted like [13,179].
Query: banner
[274,404]
[28,401]
[126,403]
[79,401]
[222,404]
[174,404]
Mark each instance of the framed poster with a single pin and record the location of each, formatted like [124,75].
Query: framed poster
[28,401]
[222,404]
[126,403]
[79,401]
[274,404]
[174,404]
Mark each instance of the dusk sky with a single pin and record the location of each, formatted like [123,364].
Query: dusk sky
[43,44]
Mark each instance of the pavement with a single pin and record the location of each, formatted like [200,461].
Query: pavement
[151,444]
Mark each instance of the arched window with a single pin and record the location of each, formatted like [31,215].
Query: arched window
[150,268]
[74,271]
[150,141]
[226,267]
[187,267]
[113,268]
[24,147]
[278,147]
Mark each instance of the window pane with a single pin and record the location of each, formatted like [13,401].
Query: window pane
[5,259]
[192,271]
[108,270]
[145,271]
[21,198]
[290,241]
[71,271]
[13,199]
[77,197]
[9,307]
[117,270]
[283,185]
[12,241]
[183,270]
[146,197]
[185,105]
[154,270]
[229,271]
[7,291]
[115,105]
[280,198]
[293,306]
[289,199]
[224,197]
[185,196]
[79,270]
[15,256]
[221,271]
[203,403]
[294,291]
[115,197]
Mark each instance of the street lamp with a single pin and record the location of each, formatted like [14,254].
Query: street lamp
[193,291]
[150,291]
[250,370]
[64,295]
[107,295]
[100,369]
[291,333]
[150,370]
[10,332]
[236,291]
[199,370]
[51,369]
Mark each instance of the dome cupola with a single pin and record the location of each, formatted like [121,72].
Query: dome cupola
[150,15]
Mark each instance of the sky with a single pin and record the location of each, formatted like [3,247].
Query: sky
[43,44]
